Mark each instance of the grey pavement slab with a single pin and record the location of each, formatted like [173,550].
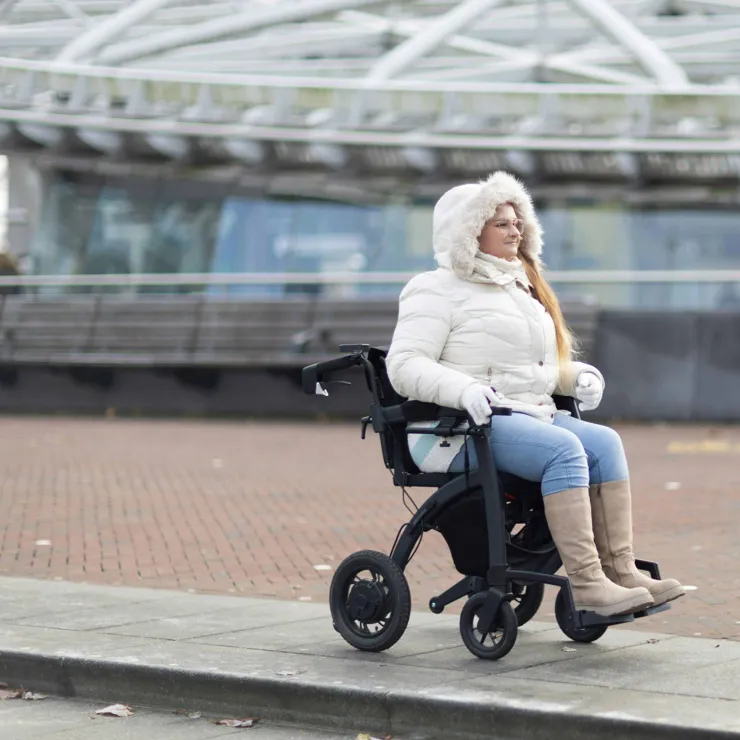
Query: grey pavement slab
[278,666]
[283,659]
[46,640]
[671,665]
[58,600]
[252,614]
[534,648]
[317,636]
[182,612]
[290,636]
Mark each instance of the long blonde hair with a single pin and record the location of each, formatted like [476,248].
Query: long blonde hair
[566,341]
[567,344]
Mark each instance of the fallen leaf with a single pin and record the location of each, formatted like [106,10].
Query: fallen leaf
[195,715]
[243,722]
[653,640]
[30,696]
[116,710]
[11,693]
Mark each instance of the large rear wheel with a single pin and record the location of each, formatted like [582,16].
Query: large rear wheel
[370,601]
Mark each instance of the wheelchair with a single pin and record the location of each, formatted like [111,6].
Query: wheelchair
[493,523]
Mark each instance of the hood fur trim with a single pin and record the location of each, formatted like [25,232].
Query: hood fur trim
[461,214]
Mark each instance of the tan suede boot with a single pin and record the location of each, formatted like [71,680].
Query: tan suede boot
[611,507]
[569,518]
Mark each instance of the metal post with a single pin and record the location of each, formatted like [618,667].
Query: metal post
[493,503]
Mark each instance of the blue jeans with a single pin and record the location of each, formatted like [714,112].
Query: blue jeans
[569,453]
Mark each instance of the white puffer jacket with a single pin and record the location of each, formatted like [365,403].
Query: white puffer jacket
[473,320]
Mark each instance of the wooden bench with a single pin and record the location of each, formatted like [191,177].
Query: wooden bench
[253,332]
[197,330]
[154,331]
[44,330]
[144,330]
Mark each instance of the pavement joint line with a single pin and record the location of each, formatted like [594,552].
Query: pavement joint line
[244,629]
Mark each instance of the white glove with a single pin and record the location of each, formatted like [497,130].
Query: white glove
[477,401]
[589,391]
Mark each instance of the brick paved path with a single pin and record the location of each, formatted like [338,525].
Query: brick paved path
[252,508]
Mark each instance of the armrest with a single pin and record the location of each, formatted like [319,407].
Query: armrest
[415,411]
[567,403]
[313,376]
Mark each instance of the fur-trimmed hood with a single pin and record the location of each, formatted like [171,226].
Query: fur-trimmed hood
[461,214]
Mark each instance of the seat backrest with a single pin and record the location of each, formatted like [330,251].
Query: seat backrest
[394,440]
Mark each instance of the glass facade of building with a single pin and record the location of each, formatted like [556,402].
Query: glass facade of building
[101,226]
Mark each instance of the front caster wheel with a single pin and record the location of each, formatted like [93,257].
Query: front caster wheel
[370,601]
[577,634]
[489,645]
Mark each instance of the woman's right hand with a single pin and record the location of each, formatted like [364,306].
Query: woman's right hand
[477,401]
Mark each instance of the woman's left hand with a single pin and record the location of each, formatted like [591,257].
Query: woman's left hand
[589,391]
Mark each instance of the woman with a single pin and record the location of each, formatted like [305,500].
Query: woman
[485,329]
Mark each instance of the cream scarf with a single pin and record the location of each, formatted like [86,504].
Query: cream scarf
[490,269]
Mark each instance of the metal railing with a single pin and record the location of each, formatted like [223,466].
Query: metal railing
[584,277]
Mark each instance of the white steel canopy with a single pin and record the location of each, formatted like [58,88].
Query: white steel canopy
[619,88]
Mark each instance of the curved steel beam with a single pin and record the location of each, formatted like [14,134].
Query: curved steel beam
[6,8]
[436,33]
[518,59]
[713,4]
[104,31]
[612,23]
[249,20]
[74,11]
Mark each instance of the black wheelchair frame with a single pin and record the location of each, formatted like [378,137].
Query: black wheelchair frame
[488,611]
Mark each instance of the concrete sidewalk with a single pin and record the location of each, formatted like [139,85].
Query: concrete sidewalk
[283,661]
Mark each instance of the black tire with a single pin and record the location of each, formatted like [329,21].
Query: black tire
[500,642]
[527,600]
[577,634]
[370,613]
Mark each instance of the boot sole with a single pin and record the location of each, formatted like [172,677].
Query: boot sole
[671,595]
[629,606]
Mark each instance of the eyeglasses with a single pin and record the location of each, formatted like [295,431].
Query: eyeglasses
[502,225]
